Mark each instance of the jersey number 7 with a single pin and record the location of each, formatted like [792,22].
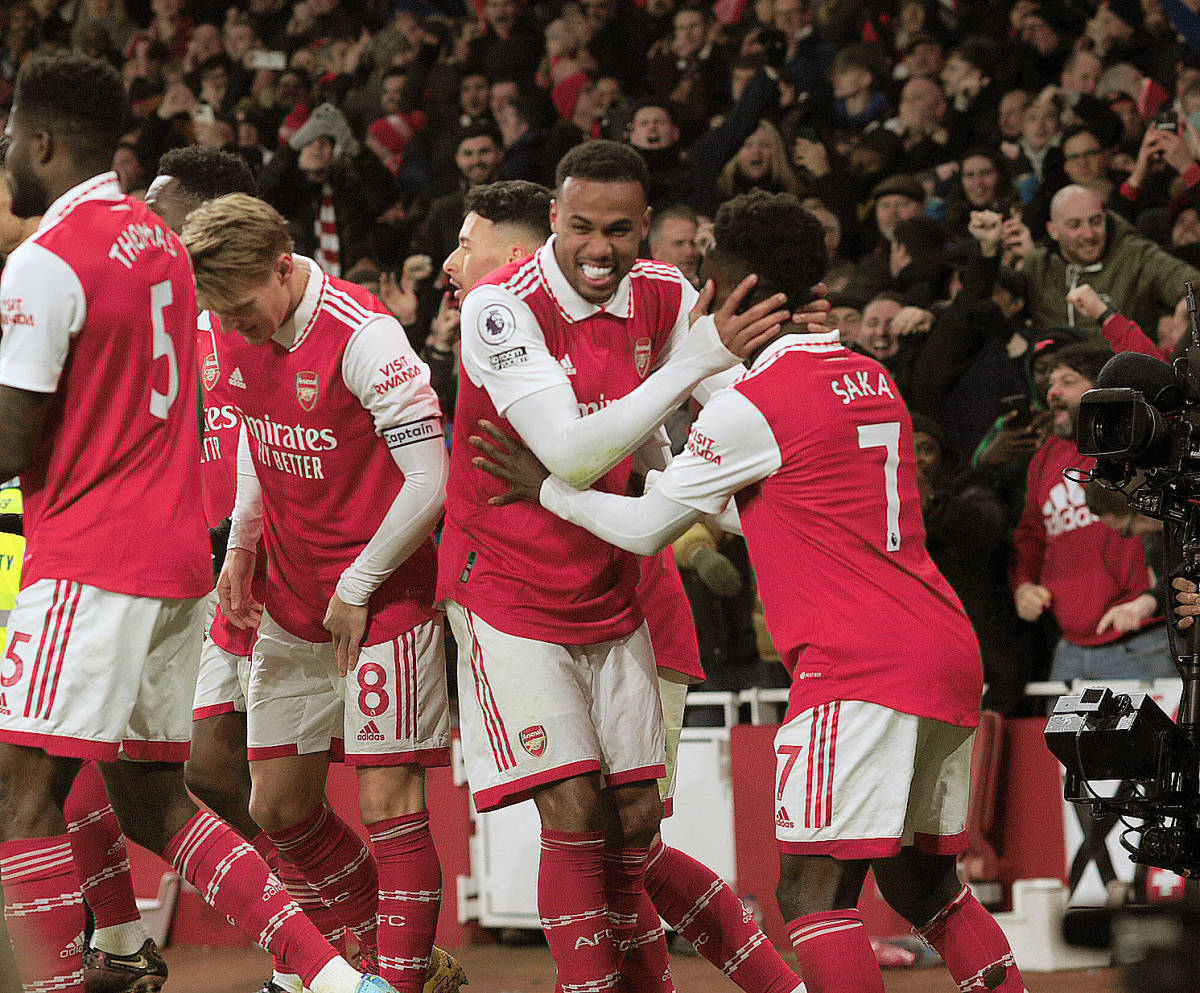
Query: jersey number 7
[886,435]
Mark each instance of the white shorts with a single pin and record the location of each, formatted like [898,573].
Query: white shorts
[533,713]
[674,700]
[95,675]
[221,683]
[859,781]
[391,710]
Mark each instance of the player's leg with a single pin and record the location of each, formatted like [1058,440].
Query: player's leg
[543,744]
[695,901]
[397,723]
[43,904]
[921,881]
[218,773]
[294,717]
[120,955]
[840,800]
[818,897]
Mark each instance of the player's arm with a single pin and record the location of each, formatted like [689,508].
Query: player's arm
[245,529]
[511,362]
[408,419]
[730,447]
[43,307]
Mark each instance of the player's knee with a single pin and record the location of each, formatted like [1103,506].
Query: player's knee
[810,884]
[572,805]
[639,811]
[279,811]
[215,788]
[395,791]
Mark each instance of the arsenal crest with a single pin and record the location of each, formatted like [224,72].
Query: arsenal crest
[306,389]
[641,356]
[210,372]
[533,740]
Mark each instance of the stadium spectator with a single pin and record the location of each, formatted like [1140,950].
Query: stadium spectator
[672,240]
[1065,561]
[1094,246]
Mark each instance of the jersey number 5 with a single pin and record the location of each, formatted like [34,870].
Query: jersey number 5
[886,435]
[161,298]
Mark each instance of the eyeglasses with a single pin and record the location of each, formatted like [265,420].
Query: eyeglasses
[1090,154]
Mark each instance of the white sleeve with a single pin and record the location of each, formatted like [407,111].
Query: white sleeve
[505,353]
[246,524]
[42,308]
[380,367]
[730,446]
[643,525]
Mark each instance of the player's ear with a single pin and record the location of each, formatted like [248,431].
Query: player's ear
[284,266]
[42,145]
[553,212]
[646,223]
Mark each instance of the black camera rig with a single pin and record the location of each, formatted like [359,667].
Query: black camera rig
[1142,425]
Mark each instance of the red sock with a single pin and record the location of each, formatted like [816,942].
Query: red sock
[307,899]
[98,847]
[44,910]
[646,967]
[233,879]
[624,886]
[339,866]
[698,904]
[574,912]
[973,947]
[835,953]
[410,896]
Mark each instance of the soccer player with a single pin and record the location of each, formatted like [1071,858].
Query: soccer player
[98,402]
[505,222]
[342,470]
[874,758]
[571,348]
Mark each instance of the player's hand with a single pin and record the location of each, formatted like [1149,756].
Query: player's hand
[233,590]
[747,332]
[509,460]
[1187,602]
[1031,599]
[815,315]
[347,623]
[1128,616]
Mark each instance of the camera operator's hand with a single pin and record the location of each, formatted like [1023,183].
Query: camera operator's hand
[1187,602]
[1031,600]
[1128,616]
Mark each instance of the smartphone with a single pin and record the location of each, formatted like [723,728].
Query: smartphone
[202,113]
[268,60]
[1166,121]
[1018,405]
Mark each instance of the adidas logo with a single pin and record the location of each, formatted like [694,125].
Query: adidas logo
[567,365]
[74,949]
[235,379]
[370,732]
[272,888]
[782,820]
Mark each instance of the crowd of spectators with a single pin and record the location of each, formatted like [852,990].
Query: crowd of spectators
[999,183]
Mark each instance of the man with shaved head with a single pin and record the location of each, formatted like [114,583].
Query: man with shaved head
[1087,244]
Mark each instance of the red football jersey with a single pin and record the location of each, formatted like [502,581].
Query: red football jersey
[818,447]
[669,616]
[519,567]
[221,425]
[326,472]
[99,308]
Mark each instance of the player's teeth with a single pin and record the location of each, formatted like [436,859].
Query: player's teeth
[596,272]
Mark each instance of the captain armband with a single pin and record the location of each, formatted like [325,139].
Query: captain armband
[413,431]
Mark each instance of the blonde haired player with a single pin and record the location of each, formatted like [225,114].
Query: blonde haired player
[341,469]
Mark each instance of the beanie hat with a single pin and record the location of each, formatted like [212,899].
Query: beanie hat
[394,132]
[293,122]
[565,94]
[905,186]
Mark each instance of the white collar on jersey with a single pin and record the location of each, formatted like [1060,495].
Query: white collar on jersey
[573,306]
[104,186]
[820,341]
[293,331]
